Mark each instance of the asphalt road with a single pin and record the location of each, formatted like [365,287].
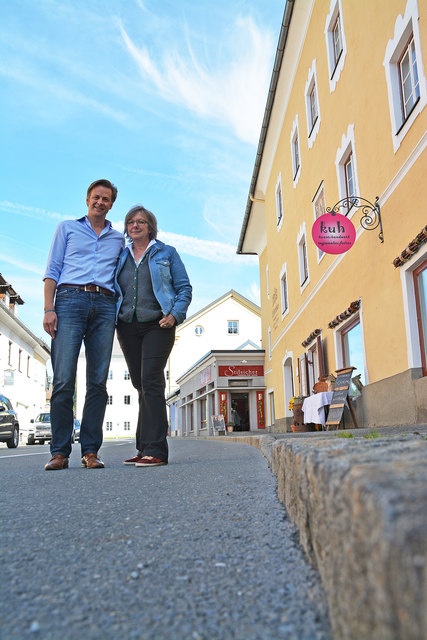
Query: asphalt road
[200,549]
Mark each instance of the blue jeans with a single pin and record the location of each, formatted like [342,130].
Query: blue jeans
[88,317]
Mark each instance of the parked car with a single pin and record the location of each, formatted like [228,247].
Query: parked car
[40,430]
[76,433]
[9,425]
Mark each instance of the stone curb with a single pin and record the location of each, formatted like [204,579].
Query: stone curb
[360,504]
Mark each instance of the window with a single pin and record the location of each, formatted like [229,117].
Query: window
[315,366]
[279,202]
[295,152]
[303,375]
[409,84]
[19,359]
[126,399]
[312,105]
[233,327]
[346,166]
[349,177]
[126,375]
[335,42]
[126,425]
[420,290]
[110,375]
[203,422]
[302,258]
[108,426]
[284,289]
[353,353]
[271,416]
[110,400]
[319,206]
[28,366]
[198,330]
[9,357]
[404,70]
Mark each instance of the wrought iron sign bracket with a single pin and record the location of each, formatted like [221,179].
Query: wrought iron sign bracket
[371,213]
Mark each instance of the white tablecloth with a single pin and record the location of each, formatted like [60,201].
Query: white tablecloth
[314,407]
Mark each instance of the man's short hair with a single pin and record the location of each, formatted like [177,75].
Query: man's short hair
[103,183]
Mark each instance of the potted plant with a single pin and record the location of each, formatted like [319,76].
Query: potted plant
[230,427]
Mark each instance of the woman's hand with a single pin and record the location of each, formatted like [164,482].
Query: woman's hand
[167,322]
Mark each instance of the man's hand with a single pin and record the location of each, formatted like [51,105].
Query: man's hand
[167,321]
[50,323]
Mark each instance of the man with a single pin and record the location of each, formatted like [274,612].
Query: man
[80,305]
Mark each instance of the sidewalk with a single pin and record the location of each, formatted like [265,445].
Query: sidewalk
[359,500]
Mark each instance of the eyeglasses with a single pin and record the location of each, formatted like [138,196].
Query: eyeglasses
[138,223]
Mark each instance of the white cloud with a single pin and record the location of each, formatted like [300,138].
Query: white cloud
[233,93]
[29,212]
[21,264]
[210,250]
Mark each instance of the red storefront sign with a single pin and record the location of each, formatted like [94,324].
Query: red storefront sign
[241,371]
[223,405]
[260,409]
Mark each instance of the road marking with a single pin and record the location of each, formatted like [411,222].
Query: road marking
[44,453]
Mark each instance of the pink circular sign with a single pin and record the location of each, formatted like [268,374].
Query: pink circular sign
[333,233]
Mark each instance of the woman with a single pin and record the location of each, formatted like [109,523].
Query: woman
[154,294]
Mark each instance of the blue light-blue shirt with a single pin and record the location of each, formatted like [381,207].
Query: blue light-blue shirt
[79,256]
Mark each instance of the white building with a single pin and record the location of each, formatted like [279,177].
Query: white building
[122,407]
[223,383]
[229,323]
[23,359]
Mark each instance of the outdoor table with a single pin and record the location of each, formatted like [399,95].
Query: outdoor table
[314,407]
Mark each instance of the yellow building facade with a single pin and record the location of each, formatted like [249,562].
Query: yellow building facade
[345,117]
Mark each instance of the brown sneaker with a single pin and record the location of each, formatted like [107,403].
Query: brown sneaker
[91,461]
[57,462]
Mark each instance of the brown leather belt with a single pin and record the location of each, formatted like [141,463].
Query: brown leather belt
[93,288]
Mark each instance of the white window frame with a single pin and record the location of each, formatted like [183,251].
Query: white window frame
[348,146]
[339,356]
[320,191]
[230,325]
[295,152]
[301,240]
[284,295]
[288,380]
[403,28]
[409,307]
[310,86]
[335,67]
[279,202]
[271,415]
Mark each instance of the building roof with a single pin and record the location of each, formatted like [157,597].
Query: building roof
[222,352]
[230,294]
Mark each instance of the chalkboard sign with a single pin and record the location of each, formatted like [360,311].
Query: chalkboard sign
[218,423]
[341,388]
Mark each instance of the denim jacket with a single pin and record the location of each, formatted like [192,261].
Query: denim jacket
[170,281]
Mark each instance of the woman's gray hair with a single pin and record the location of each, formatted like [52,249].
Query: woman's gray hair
[150,217]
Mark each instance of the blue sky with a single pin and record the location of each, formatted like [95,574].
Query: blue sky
[163,97]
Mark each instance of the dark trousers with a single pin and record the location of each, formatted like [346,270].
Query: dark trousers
[146,347]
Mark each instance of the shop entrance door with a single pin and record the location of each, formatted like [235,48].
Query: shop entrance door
[240,411]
